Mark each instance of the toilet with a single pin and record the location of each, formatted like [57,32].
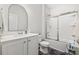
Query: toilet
[44,47]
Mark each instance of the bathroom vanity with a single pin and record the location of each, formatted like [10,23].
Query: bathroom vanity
[23,43]
[20,44]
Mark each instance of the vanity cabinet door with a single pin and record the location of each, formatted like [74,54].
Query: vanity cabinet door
[13,48]
[33,45]
[25,46]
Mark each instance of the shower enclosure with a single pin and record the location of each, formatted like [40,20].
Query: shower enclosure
[61,27]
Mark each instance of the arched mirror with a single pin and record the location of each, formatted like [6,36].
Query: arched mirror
[17,18]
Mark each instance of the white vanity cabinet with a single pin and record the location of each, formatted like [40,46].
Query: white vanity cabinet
[25,45]
[13,48]
[33,45]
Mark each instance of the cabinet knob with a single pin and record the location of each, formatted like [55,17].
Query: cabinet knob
[24,41]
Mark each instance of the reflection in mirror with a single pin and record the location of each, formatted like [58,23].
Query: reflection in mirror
[17,18]
[1,23]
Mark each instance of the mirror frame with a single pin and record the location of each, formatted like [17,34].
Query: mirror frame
[2,27]
[9,19]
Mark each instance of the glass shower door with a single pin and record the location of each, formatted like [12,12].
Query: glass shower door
[66,27]
[52,28]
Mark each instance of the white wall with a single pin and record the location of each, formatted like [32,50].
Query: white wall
[45,12]
[34,16]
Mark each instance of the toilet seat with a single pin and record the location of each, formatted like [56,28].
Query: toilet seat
[44,43]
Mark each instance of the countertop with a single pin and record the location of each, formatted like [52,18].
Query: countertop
[14,37]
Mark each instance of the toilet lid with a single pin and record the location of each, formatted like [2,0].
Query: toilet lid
[44,43]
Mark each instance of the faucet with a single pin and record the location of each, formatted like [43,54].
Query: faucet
[25,31]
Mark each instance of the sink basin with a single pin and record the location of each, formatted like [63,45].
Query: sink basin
[6,36]
[11,36]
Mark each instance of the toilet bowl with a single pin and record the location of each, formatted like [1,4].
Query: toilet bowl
[44,47]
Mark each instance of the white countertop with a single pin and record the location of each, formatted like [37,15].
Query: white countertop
[14,37]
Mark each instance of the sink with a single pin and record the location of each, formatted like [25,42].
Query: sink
[6,36]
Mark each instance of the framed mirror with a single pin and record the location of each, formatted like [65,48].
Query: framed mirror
[17,18]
